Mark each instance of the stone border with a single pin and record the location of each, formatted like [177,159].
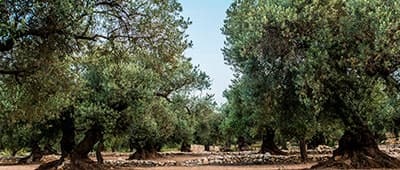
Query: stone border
[220,160]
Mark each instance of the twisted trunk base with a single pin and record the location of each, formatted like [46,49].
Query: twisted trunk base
[185,147]
[79,158]
[268,144]
[144,154]
[358,149]
[242,144]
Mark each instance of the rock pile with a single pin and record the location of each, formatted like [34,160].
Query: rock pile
[9,160]
[233,158]
[139,163]
[205,153]
[321,149]
[252,159]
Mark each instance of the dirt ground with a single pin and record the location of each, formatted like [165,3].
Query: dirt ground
[19,167]
[253,167]
[179,158]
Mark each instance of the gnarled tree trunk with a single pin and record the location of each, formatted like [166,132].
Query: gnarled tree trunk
[92,136]
[358,149]
[268,144]
[79,156]
[242,145]
[68,132]
[67,140]
[185,147]
[143,153]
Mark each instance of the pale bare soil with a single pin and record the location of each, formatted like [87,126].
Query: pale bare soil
[253,167]
[179,158]
[19,167]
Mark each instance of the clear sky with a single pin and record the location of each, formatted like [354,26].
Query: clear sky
[205,32]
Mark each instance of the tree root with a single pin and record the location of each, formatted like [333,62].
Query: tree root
[144,155]
[364,158]
[51,165]
[76,164]
[273,151]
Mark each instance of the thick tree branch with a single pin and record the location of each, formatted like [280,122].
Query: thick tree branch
[165,96]
[42,32]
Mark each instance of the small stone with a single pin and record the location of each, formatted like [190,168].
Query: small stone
[205,161]
[337,158]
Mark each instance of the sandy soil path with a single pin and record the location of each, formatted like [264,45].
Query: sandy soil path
[253,167]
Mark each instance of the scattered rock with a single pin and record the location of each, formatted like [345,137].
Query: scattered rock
[322,153]
[49,158]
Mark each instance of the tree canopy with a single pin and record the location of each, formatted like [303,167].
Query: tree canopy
[98,69]
[319,60]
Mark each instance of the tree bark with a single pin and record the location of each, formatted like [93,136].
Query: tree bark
[99,149]
[77,153]
[303,149]
[92,136]
[207,147]
[67,141]
[268,144]
[79,156]
[148,152]
[358,149]
[185,147]
[68,132]
[37,153]
[131,145]
[242,145]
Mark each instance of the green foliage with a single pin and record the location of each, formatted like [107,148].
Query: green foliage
[316,61]
[264,93]
[206,121]
[241,112]
[119,64]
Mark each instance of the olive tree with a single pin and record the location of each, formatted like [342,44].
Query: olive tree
[335,56]
[75,60]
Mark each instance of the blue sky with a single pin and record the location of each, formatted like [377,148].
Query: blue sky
[205,32]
